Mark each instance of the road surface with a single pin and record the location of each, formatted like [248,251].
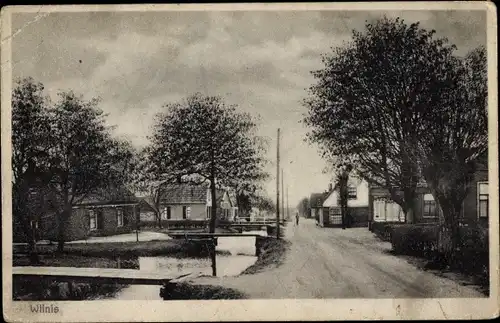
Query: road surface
[336,263]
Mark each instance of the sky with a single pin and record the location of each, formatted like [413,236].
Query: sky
[261,61]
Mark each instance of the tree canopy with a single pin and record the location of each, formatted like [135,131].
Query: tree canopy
[370,99]
[401,107]
[204,139]
[62,152]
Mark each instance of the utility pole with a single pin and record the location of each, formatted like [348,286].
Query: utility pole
[287,205]
[278,187]
[283,191]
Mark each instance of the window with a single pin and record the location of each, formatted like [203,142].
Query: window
[186,212]
[166,213]
[483,200]
[209,212]
[93,220]
[352,192]
[429,206]
[119,218]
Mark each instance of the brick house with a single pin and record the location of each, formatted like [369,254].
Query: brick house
[474,207]
[357,204]
[189,203]
[107,212]
[316,202]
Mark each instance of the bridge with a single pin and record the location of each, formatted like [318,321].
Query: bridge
[101,275]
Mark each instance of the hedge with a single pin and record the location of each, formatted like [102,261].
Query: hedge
[415,240]
[472,254]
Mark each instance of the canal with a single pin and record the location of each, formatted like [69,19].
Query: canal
[236,255]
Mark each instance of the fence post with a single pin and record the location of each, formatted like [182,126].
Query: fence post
[212,245]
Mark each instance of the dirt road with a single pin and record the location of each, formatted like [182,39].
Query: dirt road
[336,263]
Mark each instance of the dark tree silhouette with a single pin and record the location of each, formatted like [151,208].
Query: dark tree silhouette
[303,207]
[342,184]
[455,137]
[84,157]
[203,139]
[370,99]
[30,131]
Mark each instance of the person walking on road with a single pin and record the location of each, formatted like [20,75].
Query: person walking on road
[297,218]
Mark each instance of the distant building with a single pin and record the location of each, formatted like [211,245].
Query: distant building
[357,204]
[316,203]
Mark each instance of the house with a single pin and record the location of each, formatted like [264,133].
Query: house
[357,204]
[474,207]
[106,212]
[316,203]
[227,210]
[187,202]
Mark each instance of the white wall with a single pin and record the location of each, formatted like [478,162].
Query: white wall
[361,196]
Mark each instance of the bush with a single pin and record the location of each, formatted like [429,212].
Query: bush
[383,229]
[416,240]
[473,253]
[421,240]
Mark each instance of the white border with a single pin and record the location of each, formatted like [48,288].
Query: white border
[252,310]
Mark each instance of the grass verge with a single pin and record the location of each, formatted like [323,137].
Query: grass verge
[273,253]
[185,291]
[173,248]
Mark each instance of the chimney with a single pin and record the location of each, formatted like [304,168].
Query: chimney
[330,187]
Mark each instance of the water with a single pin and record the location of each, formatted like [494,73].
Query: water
[242,256]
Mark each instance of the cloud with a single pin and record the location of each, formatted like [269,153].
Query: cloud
[261,61]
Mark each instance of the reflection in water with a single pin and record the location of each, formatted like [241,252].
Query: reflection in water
[242,256]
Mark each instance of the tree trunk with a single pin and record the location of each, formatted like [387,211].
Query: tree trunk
[449,235]
[33,254]
[158,217]
[63,217]
[213,216]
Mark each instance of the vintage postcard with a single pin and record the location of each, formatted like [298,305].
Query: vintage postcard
[249,162]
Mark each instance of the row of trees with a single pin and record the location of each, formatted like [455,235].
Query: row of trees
[304,207]
[63,152]
[400,106]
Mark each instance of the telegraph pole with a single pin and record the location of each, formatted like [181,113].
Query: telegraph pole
[283,192]
[287,205]
[278,187]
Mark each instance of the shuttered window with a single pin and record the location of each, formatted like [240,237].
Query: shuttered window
[93,220]
[119,218]
[483,200]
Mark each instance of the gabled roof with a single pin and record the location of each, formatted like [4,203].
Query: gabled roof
[110,195]
[316,199]
[184,193]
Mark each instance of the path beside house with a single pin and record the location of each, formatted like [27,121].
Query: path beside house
[336,263]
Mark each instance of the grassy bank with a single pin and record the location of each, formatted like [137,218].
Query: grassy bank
[273,253]
[172,248]
[184,291]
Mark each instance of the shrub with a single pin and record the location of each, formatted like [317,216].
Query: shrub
[417,240]
[421,240]
[473,253]
[383,229]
